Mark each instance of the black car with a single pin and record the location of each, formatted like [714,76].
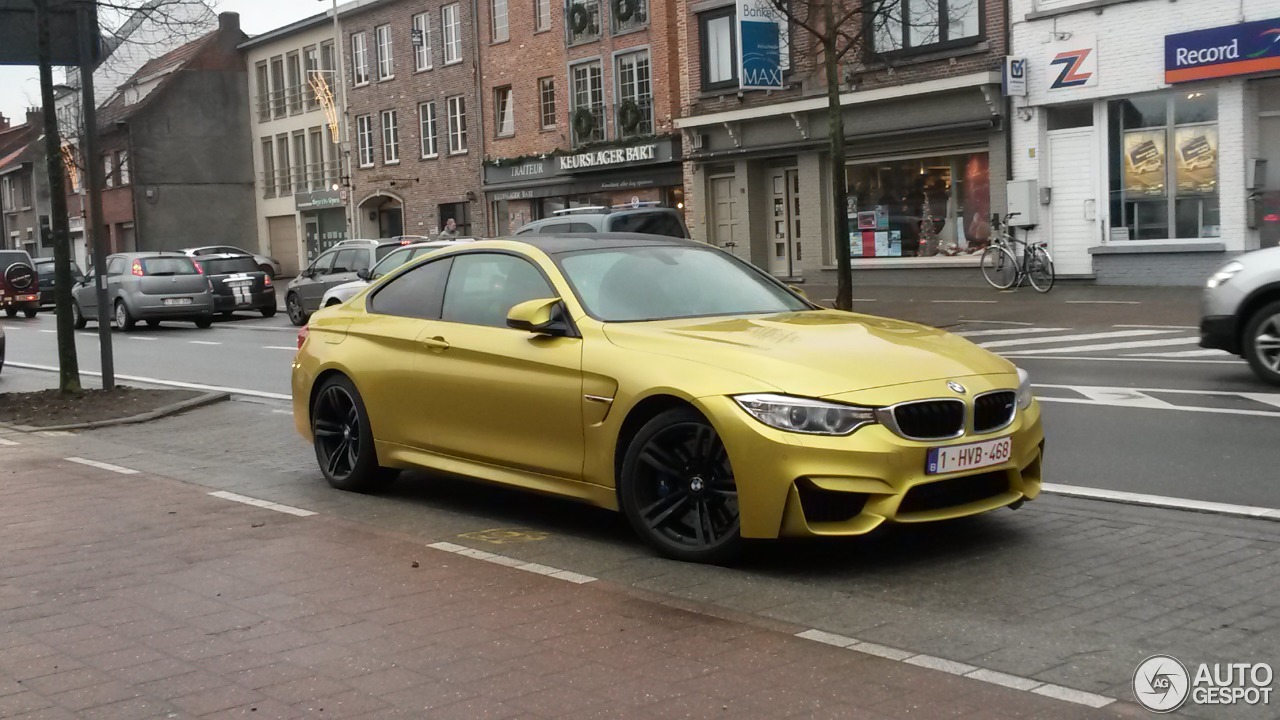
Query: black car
[238,284]
[19,284]
[44,268]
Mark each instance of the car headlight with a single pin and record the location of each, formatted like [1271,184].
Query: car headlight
[805,415]
[1024,389]
[1225,273]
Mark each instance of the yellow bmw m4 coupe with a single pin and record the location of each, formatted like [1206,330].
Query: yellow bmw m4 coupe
[666,379]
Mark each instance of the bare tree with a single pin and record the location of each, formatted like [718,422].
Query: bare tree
[836,29]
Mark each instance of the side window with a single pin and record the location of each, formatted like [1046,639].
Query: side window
[553,228]
[362,261]
[345,261]
[323,263]
[115,266]
[649,223]
[580,227]
[483,287]
[418,293]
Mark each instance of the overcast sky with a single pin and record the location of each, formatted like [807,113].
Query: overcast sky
[20,87]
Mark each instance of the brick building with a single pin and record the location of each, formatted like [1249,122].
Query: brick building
[414,117]
[578,104]
[24,191]
[1157,154]
[925,128]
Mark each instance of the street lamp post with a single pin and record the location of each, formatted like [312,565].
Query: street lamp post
[345,133]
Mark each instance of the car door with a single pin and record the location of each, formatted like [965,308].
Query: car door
[497,395]
[86,294]
[115,278]
[311,289]
[346,264]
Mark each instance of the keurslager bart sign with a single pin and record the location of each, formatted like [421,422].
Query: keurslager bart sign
[1222,52]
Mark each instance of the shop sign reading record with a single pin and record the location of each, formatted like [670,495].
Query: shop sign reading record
[760,42]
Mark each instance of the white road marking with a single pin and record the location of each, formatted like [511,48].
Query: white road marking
[48,331]
[1071,338]
[142,338]
[1103,302]
[102,466]
[1080,358]
[1132,498]
[266,504]
[1265,398]
[1008,331]
[54,433]
[951,667]
[1163,327]
[1123,396]
[1179,408]
[1185,354]
[1268,398]
[5,442]
[168,383]
[203,342]
[965,302]
[999,322]
[1160,342]
[536,568]
[280,347]
[281,411]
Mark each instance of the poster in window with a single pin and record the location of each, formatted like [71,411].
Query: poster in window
[895,243]
[1197,149]
[1144,162]
[867,220]
[882,244]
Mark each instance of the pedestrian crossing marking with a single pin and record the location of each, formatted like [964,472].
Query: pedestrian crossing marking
[1008,331]
[1072,338]
[1184,354]
[1162,342]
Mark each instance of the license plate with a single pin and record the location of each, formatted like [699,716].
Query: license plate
[239,283]
[177,301]
[968,457]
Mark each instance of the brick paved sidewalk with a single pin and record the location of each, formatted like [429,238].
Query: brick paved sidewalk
[134,597]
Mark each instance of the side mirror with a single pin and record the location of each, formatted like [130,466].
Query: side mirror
[307,273]
[799,291]
[544,316]
[363,273]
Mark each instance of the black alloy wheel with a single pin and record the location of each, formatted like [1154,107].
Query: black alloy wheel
[678,490]
[343,440]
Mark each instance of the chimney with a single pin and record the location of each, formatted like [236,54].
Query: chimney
[4,122]
[229,22]
[35,117]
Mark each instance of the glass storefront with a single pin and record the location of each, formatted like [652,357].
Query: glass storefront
[920,207]
[1163,152]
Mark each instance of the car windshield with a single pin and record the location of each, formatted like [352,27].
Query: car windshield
[169,266]
[226,266]
[391,262]
[655,283]
[45,268]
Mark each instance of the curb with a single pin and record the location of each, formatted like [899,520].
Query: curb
[173,409]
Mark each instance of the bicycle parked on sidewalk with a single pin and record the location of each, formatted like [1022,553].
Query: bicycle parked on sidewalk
[1008,261]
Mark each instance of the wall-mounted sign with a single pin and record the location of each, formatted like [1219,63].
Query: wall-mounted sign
[1222,52]
[317,200]
[1073,63]
[605,158]
[1015,77]
[760,41]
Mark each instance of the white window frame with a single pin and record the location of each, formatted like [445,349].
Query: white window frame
[504,118]
[457,106]
[451,33]
[422,53]
[359,59]
[390,138]
[364,140]
[542,103]
[122,166]
[386,58]
[541,15]
[108,170]
[500,26]
[429,130]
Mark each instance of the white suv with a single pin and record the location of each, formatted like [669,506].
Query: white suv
[1241,311]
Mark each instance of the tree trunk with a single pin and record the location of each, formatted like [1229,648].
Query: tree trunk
[68,364]
[839,188]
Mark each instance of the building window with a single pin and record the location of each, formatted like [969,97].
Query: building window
[284,182]
[327,63]
[333,167]
[500,30]
[295,83]
[719,49]
[457,124]
[542,15]
[1164,166]
[108,172]
[299,162]
[390,138]
[311,65]
[633,116]
[421,41]
[427,122]
[921,207]
[122,166]
[628,15]
[315,169]
[547,102]
[922,23]
[505,115]
[587,119]
[364,140]
[582,21]
[382,35]
[264,92]
[278,101]
[268,169]
[359,60]
[451,31]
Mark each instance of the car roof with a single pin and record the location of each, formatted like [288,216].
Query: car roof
[225,256]
[151,254]
[576,242]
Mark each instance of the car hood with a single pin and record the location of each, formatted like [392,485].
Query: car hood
[814,353]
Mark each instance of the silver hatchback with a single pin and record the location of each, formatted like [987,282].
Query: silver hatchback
[1241,311]
[148,286]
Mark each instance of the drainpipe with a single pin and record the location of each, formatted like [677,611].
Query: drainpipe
[475,25]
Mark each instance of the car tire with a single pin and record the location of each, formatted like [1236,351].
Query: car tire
[677,489]
[1261,343]
[124,320]
[11,312]
[297,314]
[269,311]
[30,312]
[204,322]
[78,320]
[342,439]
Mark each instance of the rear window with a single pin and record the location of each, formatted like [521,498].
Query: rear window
[226,266]
[11,257]
[168,266]
[649,223]
[45,267]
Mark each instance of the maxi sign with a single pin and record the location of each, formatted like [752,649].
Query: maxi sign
[1222,52]
[759,41]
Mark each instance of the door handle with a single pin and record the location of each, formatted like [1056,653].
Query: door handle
[436,343]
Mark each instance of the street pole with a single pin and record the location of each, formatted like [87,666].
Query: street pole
[345,135]
[93,175]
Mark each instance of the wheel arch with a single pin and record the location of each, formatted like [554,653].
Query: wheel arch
[640,413]
[1252,303]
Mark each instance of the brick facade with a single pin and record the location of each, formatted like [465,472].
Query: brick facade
[416,186]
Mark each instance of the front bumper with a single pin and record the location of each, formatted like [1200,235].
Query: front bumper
[1218,332]
[797,485]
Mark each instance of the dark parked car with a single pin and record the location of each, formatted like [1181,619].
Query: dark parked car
[648,218]
[44,268]
[265,263]
[148,286]
[340,264]
[19,284]
[238,284]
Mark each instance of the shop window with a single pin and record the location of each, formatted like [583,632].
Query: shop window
[1164,166]
[1067,117]
[718,49]
[925,25]
[920,207]
[461,214]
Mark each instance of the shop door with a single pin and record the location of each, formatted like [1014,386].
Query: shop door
[1074,206]
[784,222]
[726,230]
[282,238]
[1267,202]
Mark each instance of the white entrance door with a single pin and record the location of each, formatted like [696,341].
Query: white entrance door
[1073,207]
[784,220]
[726,230]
